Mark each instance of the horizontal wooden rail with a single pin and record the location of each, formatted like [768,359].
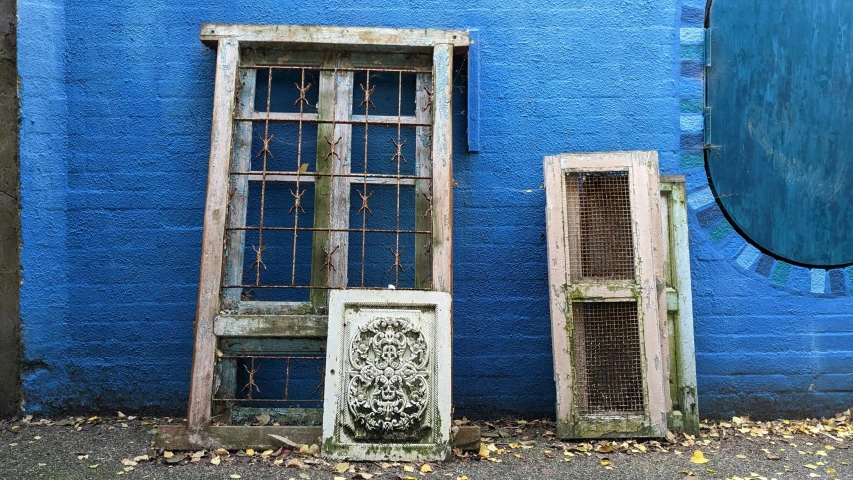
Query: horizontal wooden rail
[294,326]
[176,437]
[394,37]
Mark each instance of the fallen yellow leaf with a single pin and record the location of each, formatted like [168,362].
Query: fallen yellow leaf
[216,460]
[168,454]
[426,468]
[698,457]
[810,466]
[250,452]
[234,475]
[408,468]
[341,467]
[95,465]
[484,452]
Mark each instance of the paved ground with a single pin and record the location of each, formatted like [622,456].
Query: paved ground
[105,447]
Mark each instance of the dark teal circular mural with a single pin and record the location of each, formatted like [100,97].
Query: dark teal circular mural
[780,125]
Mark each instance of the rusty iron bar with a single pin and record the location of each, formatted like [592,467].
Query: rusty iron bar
[297,198]
[322,384]
[341,122]
[259,253]
[399,144]
[364,207]
[348,175]
[303,89]
[397,264]
[312,229]
[297,201]
[337,69]
[252,286]
[398,155]
[368,91]
[328,265]
[429,98]
[265,152]
[287,381]
[251,383]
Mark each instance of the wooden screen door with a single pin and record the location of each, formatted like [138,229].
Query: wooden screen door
[605,265]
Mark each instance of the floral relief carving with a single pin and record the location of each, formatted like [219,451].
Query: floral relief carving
[389,380]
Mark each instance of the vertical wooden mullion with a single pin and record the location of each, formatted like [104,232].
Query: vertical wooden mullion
[645,207]
[558,278]
[423,188]
[331,195]
[213,236]
[442,169]
[241,162]
[235,240]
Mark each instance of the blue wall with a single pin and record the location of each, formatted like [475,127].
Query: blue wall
[116,102]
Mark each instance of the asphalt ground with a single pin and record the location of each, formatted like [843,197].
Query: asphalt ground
[113,447]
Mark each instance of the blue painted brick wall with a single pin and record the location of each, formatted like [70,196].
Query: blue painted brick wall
[116,102]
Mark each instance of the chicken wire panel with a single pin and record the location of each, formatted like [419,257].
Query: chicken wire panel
[608,365]
[600,237]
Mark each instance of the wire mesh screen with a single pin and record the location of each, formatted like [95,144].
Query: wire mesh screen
[608,367]
[335,188]
[600,238]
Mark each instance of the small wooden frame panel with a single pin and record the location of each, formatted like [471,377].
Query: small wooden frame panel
[679,304]
[222,313]
[641,289]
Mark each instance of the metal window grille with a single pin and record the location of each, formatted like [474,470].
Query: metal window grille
[601,204]
[386,200]
[607,358]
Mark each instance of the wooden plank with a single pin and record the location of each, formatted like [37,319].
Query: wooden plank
[271,326]
[177,437]
[285,416]
[442,169]
[266,56]
[557,280]
[686,350]
[213,236]
[272,345]
[349,36]
[423,188]
[274,308]
[241,161]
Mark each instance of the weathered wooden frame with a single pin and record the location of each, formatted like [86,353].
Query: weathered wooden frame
[642,168]
[227,141]
[679,305]
[336,442]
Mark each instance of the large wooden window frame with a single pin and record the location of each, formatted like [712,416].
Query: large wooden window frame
[221,265]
